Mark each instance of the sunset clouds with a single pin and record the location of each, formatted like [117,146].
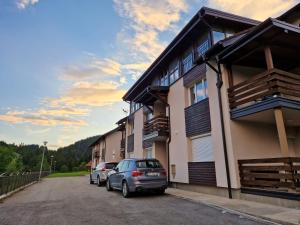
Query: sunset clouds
[40,119]
[254,9]
[89,94]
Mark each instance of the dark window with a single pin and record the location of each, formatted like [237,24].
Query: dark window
[124,166]
[202,48]
[199,91]
[110,165]
[148,164]
[120,165]
[173,72]
[164,80]
[187,63]
[131,165]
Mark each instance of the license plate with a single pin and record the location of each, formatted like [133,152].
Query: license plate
[153,174]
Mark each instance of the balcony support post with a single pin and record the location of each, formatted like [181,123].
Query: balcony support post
[281,132]
[230,77]
[269,58]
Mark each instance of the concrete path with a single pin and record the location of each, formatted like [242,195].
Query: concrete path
[72,200]
[274,213]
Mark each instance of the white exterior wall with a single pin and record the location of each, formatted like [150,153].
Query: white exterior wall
[179,145]
[138,133]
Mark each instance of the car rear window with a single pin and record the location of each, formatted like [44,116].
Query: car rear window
[110,165]
[148,164]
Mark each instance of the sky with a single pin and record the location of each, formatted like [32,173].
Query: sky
[65,64]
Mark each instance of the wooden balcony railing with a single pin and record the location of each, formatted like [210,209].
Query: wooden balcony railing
[158,123]
[264,85]
[270,173]
[122,144]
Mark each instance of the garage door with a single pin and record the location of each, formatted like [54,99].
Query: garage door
[202,149]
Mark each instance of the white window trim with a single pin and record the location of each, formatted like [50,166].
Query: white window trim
[200,136]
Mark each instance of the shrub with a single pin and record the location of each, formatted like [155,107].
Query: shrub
[75,168]
[64,168]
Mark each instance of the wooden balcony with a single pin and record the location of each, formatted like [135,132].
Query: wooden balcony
[156,129]
[263,87]
[279,176]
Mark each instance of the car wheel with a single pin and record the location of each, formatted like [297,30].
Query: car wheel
[98,181]
[108,187]
[125,190]
[91,181]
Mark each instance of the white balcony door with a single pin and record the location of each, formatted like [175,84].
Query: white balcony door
[202,149]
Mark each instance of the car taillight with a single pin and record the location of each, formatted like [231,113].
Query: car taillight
[136,173]
[103,169]
[163,173]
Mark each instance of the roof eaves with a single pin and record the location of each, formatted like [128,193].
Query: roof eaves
[264,26]
[225,15]
[289,12]
[191,24]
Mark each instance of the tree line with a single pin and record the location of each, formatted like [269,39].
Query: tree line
[24,158]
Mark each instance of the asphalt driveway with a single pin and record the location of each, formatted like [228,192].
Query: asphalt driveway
[73,201]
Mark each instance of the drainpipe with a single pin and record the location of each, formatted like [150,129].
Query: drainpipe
[219,84]
[169,138]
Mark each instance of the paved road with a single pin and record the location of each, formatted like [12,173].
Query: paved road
[73,201]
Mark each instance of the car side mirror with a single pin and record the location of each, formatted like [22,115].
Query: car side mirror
[94,168]
[116,169]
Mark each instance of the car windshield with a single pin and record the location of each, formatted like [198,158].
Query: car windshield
[110,165]
[148,164]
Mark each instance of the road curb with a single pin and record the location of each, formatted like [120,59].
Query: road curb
[257,218]
[2,197]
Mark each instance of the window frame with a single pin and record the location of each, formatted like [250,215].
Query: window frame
[193,91]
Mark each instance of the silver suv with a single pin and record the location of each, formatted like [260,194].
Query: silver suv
[132,175]
[99,174]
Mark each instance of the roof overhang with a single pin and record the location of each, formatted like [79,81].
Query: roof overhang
[150,94]
[282,37]
[122,121]
[290,12]
[204,19]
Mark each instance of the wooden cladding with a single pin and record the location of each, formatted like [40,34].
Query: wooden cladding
[195,74]
[202,173]
[130,143]
[271,173]
[197,118]
[157,123]
[264,85]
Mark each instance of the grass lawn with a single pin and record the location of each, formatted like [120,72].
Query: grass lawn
[69,174]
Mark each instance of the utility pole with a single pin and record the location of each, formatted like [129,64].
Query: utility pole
[45,143]
[51,163]
[54,166]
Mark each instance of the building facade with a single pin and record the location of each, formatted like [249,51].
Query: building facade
[220,106]
[109,147]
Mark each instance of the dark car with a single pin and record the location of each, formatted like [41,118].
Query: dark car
[133,175]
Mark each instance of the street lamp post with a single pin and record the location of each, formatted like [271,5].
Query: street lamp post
[51,163]
[45,143]
[54,166]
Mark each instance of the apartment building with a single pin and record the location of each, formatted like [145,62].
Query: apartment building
[220,107]
[110,147]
